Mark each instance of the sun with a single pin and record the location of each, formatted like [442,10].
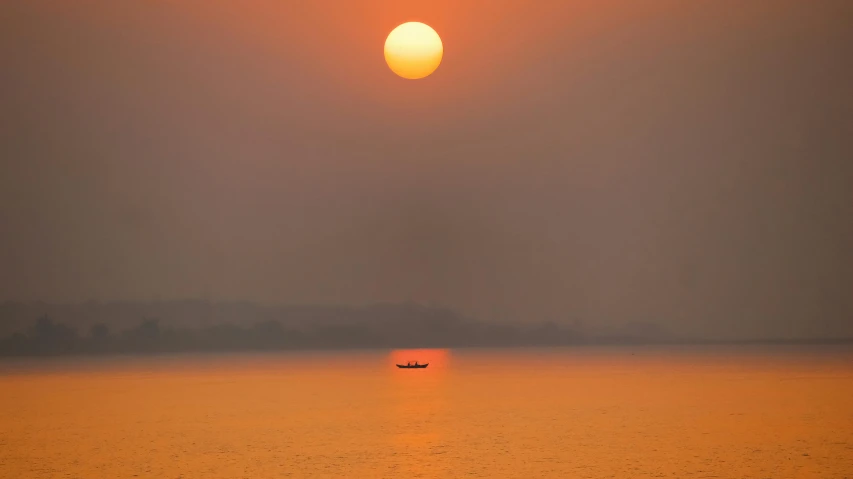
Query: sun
[413,50]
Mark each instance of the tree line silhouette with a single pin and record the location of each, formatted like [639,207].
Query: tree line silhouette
[30,329]
[386,326]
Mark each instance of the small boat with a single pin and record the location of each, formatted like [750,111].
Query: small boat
[412,366]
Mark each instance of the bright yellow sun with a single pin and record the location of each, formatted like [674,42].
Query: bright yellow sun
[413,50]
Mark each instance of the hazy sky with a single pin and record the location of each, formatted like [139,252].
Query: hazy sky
[687,163]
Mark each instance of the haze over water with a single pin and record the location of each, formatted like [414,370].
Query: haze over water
[576,412]
[207,176]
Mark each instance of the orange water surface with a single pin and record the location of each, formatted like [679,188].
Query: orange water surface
[577,413]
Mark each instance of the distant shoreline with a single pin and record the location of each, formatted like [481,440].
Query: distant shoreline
[126,328]
[579,345]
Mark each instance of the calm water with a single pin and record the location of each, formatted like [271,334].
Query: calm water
[597,413]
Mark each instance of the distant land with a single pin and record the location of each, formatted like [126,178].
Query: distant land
[44,329]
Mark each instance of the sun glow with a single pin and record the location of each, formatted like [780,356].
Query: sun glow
[413,50]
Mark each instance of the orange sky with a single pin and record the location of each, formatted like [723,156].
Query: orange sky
[666,161]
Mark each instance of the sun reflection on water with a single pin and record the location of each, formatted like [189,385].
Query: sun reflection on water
[419,400]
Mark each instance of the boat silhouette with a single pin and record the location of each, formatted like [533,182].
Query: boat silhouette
[409,365]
